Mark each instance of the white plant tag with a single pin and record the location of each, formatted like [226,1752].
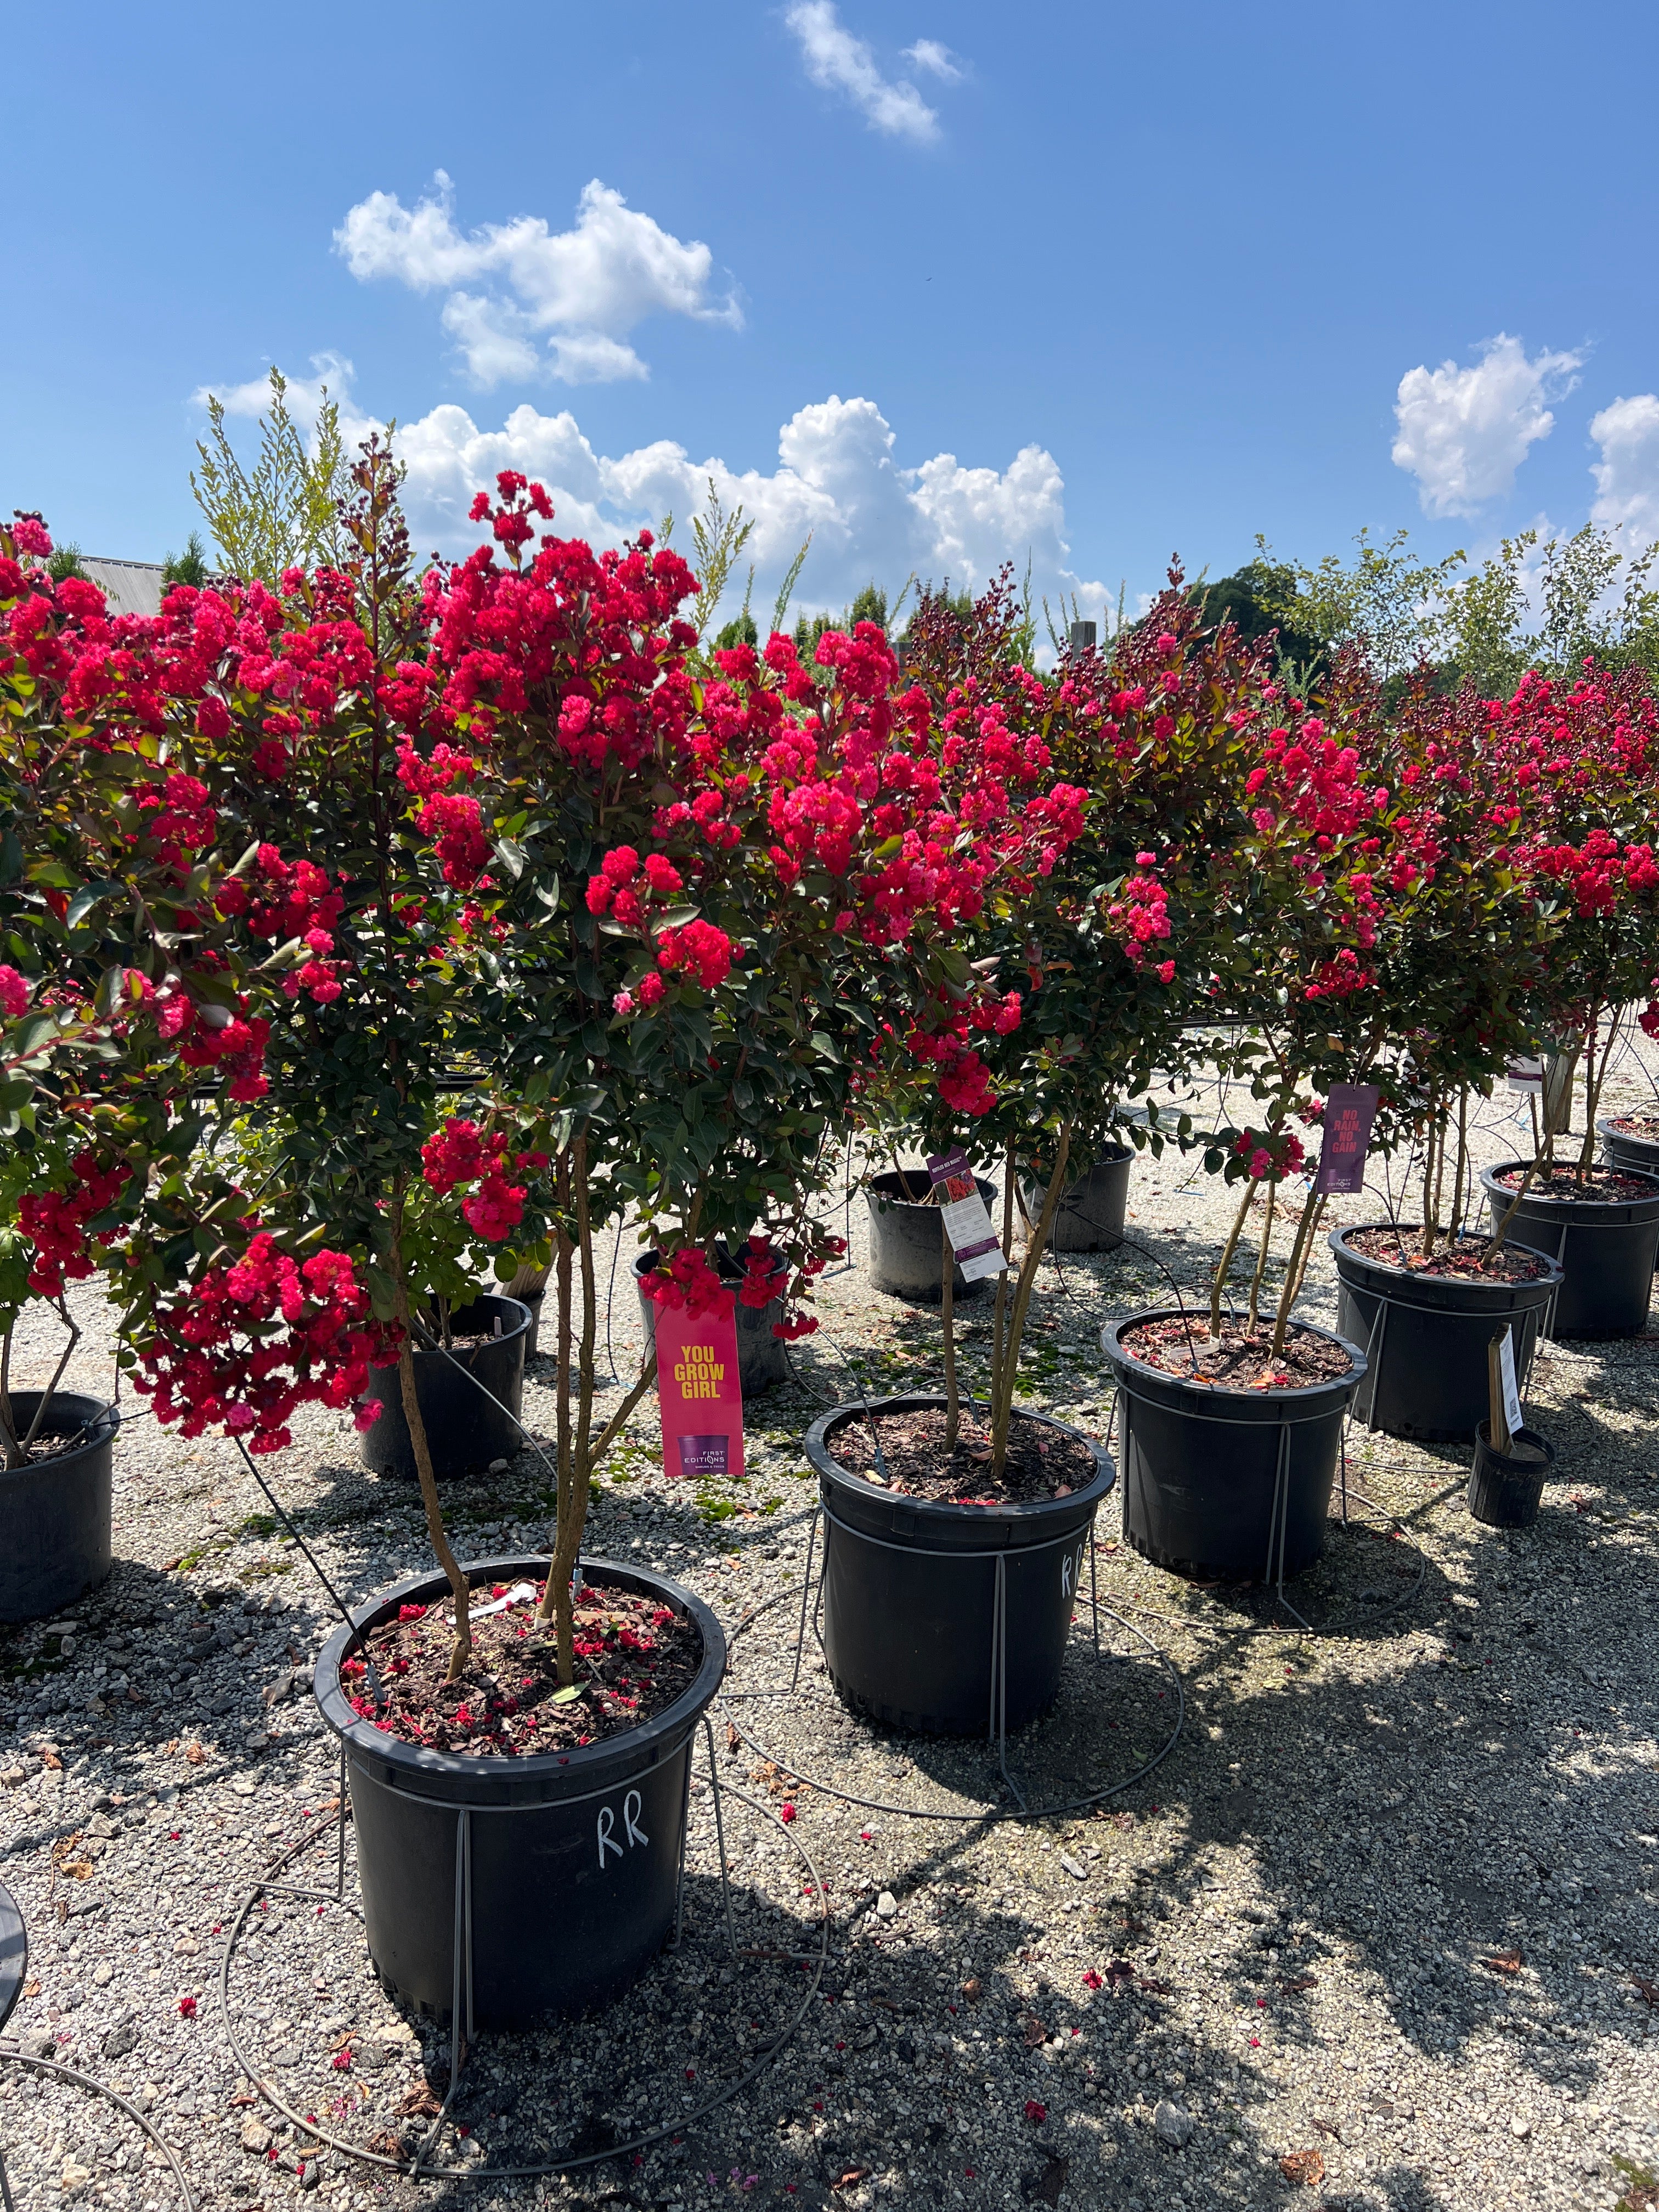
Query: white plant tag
[1527,1073]
[967,1224]
[520,1594]
[1511,1390]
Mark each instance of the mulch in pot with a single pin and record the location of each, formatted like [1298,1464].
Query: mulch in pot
[1645,1126]
[1041,1462]
[634,1657]
[1392,1248]
[1239,1359]
[1595,1182]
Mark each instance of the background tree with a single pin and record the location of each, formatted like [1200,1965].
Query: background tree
[285,512]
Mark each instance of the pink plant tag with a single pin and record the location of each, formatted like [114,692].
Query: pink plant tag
[699,1391]
[1349,1112]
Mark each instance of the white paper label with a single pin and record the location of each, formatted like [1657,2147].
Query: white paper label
[1527,1073]
[1506,1372]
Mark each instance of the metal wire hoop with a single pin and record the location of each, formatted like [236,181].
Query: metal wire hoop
[416,2166]
[990,1815]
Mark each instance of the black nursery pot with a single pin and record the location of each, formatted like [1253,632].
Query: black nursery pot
[762,1359]
[1623,1148]
[1226,1485]
[1425,1338]
[1606,1247]
[55,1540]
[574,1857]
[1505,1487]
[907,1238]
[464,1430]
[910,1590]
[1089,1217]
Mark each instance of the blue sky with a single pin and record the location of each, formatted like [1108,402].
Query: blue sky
[1099,283]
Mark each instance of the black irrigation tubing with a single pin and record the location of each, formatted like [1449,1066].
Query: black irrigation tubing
[381,1701]
[416,2166]
[54,2071]
[989,1816]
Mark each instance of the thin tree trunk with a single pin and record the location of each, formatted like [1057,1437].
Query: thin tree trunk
[1257,1278]
[1000,1316]
[1460,1171]
[1593,1085]
[1311,1208]
[1036,1245]
[564,1453]
[1224,1264]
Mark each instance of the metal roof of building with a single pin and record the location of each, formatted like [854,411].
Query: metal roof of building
[129,587]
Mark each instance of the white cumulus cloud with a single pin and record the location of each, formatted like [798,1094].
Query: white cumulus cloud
[1464,432]
[522,299]
[836,478]
[841,62]
[1627,474]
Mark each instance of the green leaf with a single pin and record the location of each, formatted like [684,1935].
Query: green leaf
[566,1697]
[675,917]
[90,895]
[511,856]
[36,1033]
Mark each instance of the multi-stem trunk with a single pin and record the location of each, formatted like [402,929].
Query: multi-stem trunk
[1594,1082]
[584,1452]
[461,1648]
[1312,1208]
[1260,1276]
[1007,1365]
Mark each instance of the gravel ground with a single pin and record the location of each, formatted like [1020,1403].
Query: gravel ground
[1378,1931]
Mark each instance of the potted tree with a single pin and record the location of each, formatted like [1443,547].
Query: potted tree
[950,1577]
[1460,971]
[133,1024]
[1232,1420]
[667,891]
[1577,773]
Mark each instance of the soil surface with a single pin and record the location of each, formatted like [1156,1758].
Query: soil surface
[1645,1126]
[634,1657]
[1238,1361]
[1397,1248]
[1598,1182]
[1041,1462]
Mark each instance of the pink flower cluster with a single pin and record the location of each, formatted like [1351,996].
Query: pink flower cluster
[690,1281]
[57,1223]
[1269,1152]
[461,1153]
[248,1343]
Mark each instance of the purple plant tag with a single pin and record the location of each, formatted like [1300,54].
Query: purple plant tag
[703,1455]
[1349,1112]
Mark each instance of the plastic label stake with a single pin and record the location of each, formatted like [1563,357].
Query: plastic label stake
[967,1224]
[1506,1375]
[698,1390]
[1349,1112]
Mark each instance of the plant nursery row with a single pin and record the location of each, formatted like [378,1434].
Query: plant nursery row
[374,948]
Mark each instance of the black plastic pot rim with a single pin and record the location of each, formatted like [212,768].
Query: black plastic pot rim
[1505,1195]
[1022,1512]
[1478,1286]
[545,1778]
[99,1428]
[464,1351]
[927,1203]
[731,1270]
[1607,1125]
[1082,1165]
[1544,1452]
[1273,1409]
